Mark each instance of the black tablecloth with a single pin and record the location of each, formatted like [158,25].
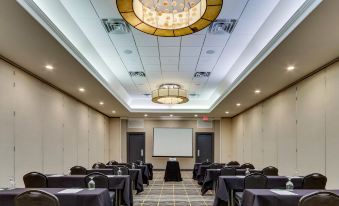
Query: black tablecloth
[144,168]
[136,175]
[97,197]
[172,172]
[268,198]
[116,182]
[202,173]
[227,184]
[195,170]
[212,175]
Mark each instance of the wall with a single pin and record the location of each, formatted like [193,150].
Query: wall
[44,130]
[160,162]
[296,130]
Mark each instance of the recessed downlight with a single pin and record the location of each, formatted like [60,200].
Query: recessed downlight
[171,115]
[127,51]
[257,91]
[210,51]
[49,67]
[113,111]
[238,104]
[101,103]
[195,115]
[227,112]
[81,89]
[290,68]
[145,115]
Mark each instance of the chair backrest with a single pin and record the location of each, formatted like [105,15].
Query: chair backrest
[216,166]
[270,171]
[255,181]
[314,181]
[99,165]
[35,180]
[138,162]
[101,180]
[205,163]
[228,171]
[78,170]
[36,197]
[247,165]
[320,198]
[129,166]
[112,162]
[233,163]
[124,170]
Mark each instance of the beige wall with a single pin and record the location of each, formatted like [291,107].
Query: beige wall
[296,130]
[49,130]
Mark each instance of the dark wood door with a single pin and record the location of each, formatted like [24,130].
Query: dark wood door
[135,146]
[204,147]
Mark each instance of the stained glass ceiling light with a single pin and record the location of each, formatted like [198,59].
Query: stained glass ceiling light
[169,17]
[169,94]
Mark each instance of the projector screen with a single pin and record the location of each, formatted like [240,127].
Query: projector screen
[173,142]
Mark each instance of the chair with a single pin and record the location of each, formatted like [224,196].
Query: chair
[129,166]
[270,171]
[314,181]
[247,165]
[216,166]
[228,171]
[205,163]
[319,198]
[99,165]
[233,163]
[36,197]
[112,162]
[252,181]
[35,180]
[124,170]
[78,170]
[101,181]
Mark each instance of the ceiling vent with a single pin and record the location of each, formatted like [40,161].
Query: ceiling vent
[222,26]
[137,74]
[201,74]
[115,26]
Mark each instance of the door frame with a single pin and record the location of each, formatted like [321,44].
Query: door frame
[128,144]
[196,144]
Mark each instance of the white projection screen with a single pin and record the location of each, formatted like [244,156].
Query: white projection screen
[172,142]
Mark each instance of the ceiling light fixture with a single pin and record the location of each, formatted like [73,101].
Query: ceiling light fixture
[290,68]
[171,115]
[169,94]
[49,67]
[169,17]
[101,103]
[227,112]
[127,51]
[257,91]
[114,112]
[195,115]
[238,104]
[145,115]
[210,52]
[82,89]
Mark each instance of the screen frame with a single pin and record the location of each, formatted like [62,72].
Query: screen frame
[174,156]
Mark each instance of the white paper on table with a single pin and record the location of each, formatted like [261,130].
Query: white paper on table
[283,192]
[1,189]
[70,191]
[241,176]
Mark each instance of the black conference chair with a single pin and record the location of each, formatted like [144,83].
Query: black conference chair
[124,170]
[216,166]
[252,181]
[129,166]
[98,165]
[206,163]
[247,165]
[270,171]
[314,181]
[101,181]
[233,163]
[78,170]
[228,171]
[112,162]
[36,197]
[35,180]
[320,198]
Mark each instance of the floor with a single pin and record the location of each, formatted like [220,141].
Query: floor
[185,193]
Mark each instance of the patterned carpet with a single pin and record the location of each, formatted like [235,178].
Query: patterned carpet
[185,193]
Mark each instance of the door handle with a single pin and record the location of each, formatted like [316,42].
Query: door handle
[142,152]
[198,153]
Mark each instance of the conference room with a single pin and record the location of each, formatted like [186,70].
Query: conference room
[169,102]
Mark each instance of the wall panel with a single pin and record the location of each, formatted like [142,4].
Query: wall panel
[256,136]
[83,136]
[238,138]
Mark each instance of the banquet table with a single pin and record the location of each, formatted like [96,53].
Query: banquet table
[212,175]
[136,176]
[172,172]
[228,184]
[144,169]
[96,197]
[120,183]
[268,197]
[195,170]
[202,173]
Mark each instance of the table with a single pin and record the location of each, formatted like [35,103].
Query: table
[97,197]
[195,170]
[136,175]
[202,173]
[119,183]
[268,198]
[212,175]
[144,169]
[172,172]
[228,184]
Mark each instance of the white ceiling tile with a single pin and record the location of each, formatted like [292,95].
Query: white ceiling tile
[202,32]
[169,51]
[169,67]
[148,51]
[187,67]
[203,68]
[152,67]
[134,68]
[190,51]
[207,61]
[122,40]
[188,60]
[169,41]
[193,40]
[169,60]
[132,60]
[139,80]
[124,51]
[153,75]
[216,40]
[146,40]
[150,60]
[217,51]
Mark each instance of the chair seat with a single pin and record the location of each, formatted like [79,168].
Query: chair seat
[238,197]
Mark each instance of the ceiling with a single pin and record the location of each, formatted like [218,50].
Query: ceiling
[265,71]
[110,57]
